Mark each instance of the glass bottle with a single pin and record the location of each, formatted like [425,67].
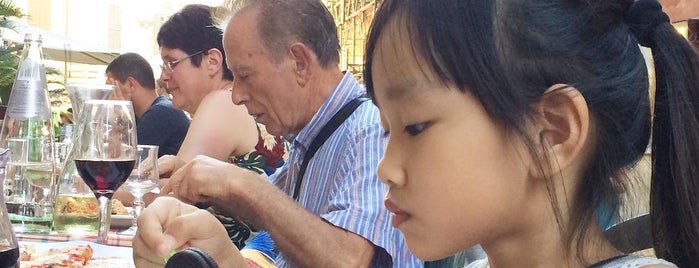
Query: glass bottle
[75,210]
[9,248]
[56,126]
[27,132]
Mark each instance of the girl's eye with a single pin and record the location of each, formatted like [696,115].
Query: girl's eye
[386,133]
[415,129]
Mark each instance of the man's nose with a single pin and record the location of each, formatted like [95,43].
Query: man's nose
[238,95]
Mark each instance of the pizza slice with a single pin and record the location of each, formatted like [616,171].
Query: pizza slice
[26,252]
[70,257]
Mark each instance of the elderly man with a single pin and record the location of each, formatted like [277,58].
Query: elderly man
[324,210]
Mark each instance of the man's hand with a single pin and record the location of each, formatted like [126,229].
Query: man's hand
[119,93]
[168,164]
[202,180]
[169,224]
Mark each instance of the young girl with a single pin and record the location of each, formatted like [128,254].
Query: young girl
[510,121]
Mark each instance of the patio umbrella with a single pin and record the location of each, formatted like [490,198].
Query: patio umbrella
[61,48]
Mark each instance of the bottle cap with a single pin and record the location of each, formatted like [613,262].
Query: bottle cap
[29,37]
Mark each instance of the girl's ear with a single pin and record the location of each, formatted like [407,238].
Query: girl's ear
[561,130]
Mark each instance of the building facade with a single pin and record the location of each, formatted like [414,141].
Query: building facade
[353,18]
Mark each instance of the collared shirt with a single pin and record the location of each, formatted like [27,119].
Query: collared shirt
[341,184]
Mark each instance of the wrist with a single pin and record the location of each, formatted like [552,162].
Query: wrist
[239,192]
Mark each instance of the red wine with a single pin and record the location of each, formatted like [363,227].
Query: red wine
[104,176]
[8,259]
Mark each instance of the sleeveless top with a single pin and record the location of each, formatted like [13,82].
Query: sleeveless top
[269,154]
[628,261]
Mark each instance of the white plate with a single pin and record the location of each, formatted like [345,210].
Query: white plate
[121,221]
[103,254]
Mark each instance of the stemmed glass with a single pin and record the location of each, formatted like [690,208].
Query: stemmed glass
[105,152]
[143,179]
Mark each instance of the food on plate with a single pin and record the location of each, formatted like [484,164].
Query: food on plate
[118,208]
[85,205]
[75,256]
[68,257]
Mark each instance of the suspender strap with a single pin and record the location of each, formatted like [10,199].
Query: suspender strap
[324,134]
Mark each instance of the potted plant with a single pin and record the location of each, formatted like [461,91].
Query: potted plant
[9,58]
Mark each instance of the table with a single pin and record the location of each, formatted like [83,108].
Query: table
[116,253]
[113,239]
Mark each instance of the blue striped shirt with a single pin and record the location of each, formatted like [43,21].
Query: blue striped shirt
[341,183]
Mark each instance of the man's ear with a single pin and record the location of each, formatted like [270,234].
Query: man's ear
[130,85]
[302,57]
[561,128]
[214,61]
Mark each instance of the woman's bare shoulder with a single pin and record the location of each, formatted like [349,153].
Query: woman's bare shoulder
[220,99]
[221,128]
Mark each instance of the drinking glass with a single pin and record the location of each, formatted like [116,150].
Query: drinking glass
[143,179]
[30,203]
[74,209]
[105,152]
[9,247]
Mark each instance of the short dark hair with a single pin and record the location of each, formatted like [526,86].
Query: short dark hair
[192,29]
[132,65]
[281,22]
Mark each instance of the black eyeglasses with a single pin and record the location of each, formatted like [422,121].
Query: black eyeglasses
[169,66]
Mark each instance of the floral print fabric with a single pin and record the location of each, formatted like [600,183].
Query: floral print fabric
[268,155]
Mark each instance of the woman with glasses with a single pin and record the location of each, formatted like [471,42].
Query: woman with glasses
[195,73]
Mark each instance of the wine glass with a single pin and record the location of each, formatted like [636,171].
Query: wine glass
[105,152]
[143,179]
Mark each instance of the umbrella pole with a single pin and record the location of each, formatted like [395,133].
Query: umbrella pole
[65,73]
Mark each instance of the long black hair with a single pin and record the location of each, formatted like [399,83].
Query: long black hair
[446,48]
[593,45]
[509,53]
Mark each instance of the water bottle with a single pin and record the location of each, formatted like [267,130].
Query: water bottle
[27,132]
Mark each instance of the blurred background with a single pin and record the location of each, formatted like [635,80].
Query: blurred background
[82,36]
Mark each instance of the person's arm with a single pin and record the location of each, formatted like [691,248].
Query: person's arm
[170,224]
[219,129]
[305,239]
